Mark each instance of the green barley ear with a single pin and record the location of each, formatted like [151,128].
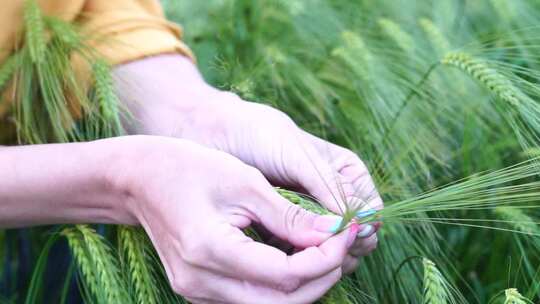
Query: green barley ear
[8,68]
[337,295]
[35,30]
[137,256]
[147,278]
[106,98]
[398,35]
[521,111]
[519,221]
[98,265]
[512,296]
[355,54]
[435,287]
[435,36]
[312,205]
[494,81]
[84,261]
[303,201]
[65,32]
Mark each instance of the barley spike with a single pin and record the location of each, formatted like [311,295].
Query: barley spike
[435,291]
[138,262]
[512,296]
[35,30]
[496,82]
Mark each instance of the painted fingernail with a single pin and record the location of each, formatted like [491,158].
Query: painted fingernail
[366,231]
[327,223]
[352,234]
[365,213]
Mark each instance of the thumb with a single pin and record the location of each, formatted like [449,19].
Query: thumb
[290,222]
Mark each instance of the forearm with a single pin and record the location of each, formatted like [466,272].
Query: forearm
[59,183]
[164,94]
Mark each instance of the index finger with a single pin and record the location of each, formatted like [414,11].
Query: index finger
[243,258]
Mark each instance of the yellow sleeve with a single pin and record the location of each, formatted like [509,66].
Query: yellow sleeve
[124,30]
[119,30]
[127,30]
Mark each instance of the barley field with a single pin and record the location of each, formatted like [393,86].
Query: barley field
[440,99]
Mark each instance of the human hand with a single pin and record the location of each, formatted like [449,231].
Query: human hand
[168,97]
[269,140]
[193,203]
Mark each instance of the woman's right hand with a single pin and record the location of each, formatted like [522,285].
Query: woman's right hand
[194,202]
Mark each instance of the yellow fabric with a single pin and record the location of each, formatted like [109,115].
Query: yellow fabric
[120,30]
[138,27]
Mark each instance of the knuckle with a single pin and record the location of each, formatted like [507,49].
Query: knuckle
[336,275]
[185,287]
[253,175]
[195,252]
[288,282]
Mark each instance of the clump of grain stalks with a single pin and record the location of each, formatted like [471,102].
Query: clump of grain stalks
[146,276]
[46,86]
[98,266]
[138,259]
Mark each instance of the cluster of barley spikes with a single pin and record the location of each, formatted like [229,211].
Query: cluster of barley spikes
[439,98]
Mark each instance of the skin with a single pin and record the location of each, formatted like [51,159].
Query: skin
[200,175]
[169,97]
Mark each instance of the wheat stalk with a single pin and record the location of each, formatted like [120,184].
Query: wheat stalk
[35,30]
[436,37]
[527,125]
[107,99]
[8,68]
[139,263]
[518,219]
[303,201]
[394,31]
[435,287]
[494,81]
[84,262]
[479,192]
[105,265]
[65,32]
[512,296]
[337,295]
[98,265]
[355,53]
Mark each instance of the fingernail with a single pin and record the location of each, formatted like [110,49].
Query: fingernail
[352,234]
[366,231]
[365,213]
[327,223]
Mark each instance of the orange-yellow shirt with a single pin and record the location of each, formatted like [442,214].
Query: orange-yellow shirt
[138,27]
[132,29]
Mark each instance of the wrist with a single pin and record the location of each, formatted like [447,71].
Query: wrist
[111,175]
[60,183]
[137,164]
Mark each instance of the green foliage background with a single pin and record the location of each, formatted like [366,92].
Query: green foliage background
[426,92]
[367,75]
